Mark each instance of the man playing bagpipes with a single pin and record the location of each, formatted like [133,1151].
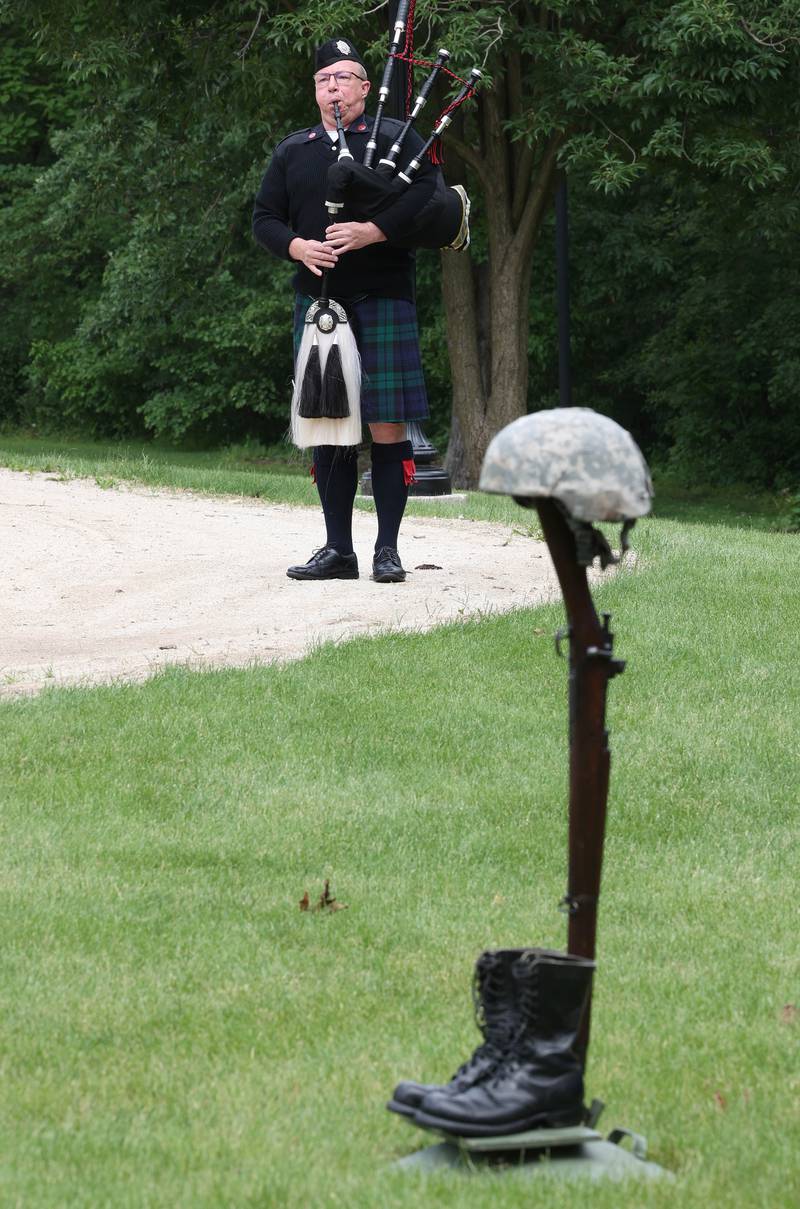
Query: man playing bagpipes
[364,270]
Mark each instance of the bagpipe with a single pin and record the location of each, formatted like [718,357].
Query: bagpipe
[443,222]
[326,401]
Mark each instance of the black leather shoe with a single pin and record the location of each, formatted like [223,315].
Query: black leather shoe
[326,563]
[386,567]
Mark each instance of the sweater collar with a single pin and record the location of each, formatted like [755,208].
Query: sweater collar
[360,126]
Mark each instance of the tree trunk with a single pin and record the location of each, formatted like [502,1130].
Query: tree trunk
[453,460]
[487,305]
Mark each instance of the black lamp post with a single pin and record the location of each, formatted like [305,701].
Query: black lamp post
[562,293]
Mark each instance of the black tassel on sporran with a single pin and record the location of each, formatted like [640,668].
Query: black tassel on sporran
[311,390]
[334,403]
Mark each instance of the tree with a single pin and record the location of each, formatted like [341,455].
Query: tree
[127,251]
[617,93]
[613,89]
[686,322]
[36,99]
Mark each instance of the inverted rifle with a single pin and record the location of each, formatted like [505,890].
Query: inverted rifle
[591,666]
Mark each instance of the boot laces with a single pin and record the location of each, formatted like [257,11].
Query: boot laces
[526,1020]
[494,1011]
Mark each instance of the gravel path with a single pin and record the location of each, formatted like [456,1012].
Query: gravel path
[100,584]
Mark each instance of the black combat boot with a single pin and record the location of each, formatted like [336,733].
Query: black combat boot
[539,1082]
[494,994]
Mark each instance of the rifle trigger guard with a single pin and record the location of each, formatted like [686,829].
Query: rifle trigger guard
[559,637]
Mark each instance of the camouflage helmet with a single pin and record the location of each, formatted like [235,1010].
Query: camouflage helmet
[585,461]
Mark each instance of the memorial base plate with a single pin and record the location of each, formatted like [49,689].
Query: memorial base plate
[578,1152]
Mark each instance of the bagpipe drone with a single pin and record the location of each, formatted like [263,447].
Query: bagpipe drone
[326,408]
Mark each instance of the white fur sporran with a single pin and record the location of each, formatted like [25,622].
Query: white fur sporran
[308,433]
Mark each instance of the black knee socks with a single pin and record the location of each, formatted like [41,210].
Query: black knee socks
[392,471]
[336,475]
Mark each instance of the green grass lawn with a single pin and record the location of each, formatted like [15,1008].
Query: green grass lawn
[279,474]
[177,1032]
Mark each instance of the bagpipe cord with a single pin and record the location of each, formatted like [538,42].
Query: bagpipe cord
[406,55]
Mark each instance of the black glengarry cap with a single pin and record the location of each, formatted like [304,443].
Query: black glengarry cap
[334,51]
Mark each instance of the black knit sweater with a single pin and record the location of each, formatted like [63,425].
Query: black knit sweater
[291,203]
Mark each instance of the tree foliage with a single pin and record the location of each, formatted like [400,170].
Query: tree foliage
[612,93]
[164,318]
[685,324]
[135,136]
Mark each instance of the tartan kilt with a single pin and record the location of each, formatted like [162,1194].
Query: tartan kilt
[386,332]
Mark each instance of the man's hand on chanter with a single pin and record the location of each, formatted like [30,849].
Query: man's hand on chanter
[348,236]
[315,255]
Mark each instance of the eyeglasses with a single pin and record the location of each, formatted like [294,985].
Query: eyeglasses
[341,77]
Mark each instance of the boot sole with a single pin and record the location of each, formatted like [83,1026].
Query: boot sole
[337,575]
[390,578]
[470,1129]
[404,1110]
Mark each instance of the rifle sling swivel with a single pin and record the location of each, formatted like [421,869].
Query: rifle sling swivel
[571,904]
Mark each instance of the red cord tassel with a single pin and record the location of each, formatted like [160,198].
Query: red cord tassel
[409,471]
[313,472]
